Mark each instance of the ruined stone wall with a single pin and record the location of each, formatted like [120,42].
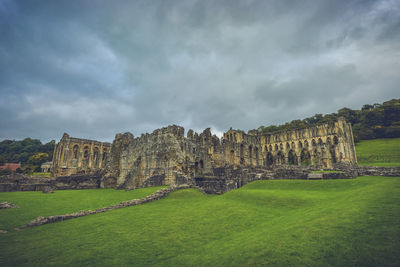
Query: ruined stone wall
[322,145]
[79,156]
[166,156]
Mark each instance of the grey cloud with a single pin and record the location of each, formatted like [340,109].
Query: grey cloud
[96,68]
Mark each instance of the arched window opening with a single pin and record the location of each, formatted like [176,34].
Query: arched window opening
[335,140]
[280,158]
[76,149]
[328,141]
[287,146]
[281,146]
[201,164]
[333,154]
[305,158]
[305,143]
[269,160]
[276,147]
[320,141]
[292,158]
[314,143]
[86,153]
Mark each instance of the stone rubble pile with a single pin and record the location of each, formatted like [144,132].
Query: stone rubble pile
[7,205]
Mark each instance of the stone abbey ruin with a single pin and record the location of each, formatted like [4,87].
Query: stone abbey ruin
[167,157]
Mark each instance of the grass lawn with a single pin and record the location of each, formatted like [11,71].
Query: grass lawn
[379,152]
[33,204]
[276,222]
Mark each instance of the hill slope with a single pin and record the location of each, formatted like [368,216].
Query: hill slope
[379,152]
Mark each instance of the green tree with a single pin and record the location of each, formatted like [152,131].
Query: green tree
[38,158]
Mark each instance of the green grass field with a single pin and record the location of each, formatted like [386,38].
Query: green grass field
[379,152]
[353,222]
[33,204]
[279,223]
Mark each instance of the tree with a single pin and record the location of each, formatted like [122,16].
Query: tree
[38,158]
[367,107]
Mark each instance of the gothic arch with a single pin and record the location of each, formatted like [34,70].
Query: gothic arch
[76,151]
[335,140]
[292,158]
[269,161]
[280,158]
[86,153]
[305,157]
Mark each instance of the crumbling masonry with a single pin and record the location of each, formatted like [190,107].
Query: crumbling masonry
[168,157]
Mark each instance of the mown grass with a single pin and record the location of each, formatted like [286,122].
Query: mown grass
[379,152]
[33,204]
[277,223]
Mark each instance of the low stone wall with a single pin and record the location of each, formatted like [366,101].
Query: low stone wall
[369,170]
[20,182]
[90,181]
[378,171]
[155,196]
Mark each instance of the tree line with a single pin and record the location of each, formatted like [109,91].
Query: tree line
[370,122]
[31,153]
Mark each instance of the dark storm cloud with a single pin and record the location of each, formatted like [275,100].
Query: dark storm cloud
[94,68]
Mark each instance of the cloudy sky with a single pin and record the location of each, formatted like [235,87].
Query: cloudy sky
[95,68]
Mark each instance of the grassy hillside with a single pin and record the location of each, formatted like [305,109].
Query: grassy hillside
[279,223]
[379,152]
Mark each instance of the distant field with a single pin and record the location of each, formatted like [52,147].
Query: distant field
[379,152]
[277,222]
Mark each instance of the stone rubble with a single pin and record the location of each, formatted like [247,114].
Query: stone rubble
[7,205]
